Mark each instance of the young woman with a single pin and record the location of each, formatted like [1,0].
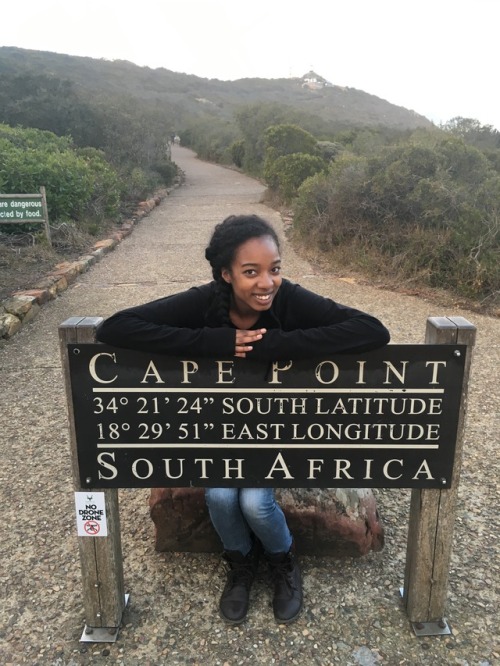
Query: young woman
[248,311]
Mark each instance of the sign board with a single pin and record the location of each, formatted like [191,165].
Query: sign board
[19,208]
[91,514]
[383,419]
[25,208]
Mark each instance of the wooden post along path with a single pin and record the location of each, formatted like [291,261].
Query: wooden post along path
[100,557]
[432,512]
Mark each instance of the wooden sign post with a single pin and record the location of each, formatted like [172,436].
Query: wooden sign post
[390,418]
[100,557]
[433,512]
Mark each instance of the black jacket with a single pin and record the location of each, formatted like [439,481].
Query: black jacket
[300,324]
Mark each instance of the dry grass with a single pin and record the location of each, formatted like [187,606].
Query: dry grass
[345,261]
[25,257]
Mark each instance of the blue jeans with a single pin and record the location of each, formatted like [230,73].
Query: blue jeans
[237,513]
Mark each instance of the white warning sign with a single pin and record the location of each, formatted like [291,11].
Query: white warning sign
[91,514]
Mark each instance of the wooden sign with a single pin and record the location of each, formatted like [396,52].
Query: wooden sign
[385,419]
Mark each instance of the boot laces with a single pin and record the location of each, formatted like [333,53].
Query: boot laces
[284,572]
[239,574]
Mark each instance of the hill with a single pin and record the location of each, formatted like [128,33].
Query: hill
[187,96]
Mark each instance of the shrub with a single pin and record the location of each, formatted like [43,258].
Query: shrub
[76,182]
[286,139]
[413,211]
[288,172]
[166,169]
[329,150]
[137,184]
[237,149]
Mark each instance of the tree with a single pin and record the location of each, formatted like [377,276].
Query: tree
[471,131]
[286,139]
[288,172]
[253,120]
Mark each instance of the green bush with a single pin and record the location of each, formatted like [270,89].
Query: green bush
[237,149]
[166,169]
[286,139]
[211,139]
[130,131]
[329,150]
[426,210]
[323,209]
[288,172]
[252,121]
[137,184]
[106,186]
[77,183]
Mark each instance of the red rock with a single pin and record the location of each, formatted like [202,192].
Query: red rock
[323,522]
[106,244]
[40,295]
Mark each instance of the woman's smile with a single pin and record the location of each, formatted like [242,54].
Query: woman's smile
[264,297]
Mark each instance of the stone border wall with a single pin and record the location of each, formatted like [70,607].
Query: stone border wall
[23,306]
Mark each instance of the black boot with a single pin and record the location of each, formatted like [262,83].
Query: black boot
[285,572]
[241,571]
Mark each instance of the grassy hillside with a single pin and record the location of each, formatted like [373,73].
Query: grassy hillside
[191,96]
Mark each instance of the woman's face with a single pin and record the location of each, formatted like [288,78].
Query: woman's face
[255,275]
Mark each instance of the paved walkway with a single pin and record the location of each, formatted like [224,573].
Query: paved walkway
[353,614]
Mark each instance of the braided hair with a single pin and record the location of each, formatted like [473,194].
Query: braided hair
[226,239]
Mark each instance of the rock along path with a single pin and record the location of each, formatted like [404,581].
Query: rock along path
[353,613]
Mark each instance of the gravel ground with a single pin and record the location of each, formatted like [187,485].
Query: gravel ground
[353,614]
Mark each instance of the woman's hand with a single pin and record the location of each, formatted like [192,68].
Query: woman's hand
[245,340]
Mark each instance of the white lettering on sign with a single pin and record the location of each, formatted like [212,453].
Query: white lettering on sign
[328,468]
[327,373]
[91,514]
[93,370]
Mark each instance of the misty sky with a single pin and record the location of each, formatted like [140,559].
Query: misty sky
[437,57]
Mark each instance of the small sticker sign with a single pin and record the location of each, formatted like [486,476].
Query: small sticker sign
[91,514]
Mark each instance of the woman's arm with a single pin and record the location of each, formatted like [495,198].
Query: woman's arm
[172,325]
[312,325]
